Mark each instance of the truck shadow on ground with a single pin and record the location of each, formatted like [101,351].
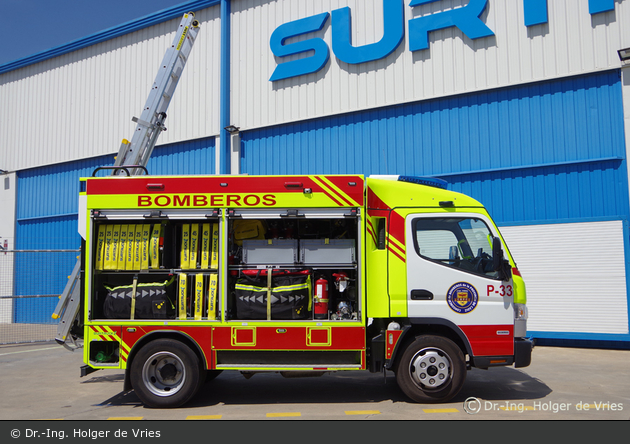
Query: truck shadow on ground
[231,388]
[105,378]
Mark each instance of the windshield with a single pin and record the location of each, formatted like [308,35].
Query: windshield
[463,243]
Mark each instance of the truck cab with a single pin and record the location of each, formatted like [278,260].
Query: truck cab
[452,298]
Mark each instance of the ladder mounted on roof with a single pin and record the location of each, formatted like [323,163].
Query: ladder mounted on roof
[133,158]
[151,122]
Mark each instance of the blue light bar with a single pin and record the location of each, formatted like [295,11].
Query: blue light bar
[430,181]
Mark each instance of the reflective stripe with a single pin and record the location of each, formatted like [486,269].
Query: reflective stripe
[165,283]
[275,289]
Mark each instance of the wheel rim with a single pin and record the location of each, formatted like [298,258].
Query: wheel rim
[164,374]
[430,368]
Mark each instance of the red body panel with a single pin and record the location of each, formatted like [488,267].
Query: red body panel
[207,185]
[485,341]
[288,338]
[200,335]
[391,340]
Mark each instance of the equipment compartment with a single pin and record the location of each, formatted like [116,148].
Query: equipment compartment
[316,249]
[164,269]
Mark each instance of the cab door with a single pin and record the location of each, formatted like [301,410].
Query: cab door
[450,277]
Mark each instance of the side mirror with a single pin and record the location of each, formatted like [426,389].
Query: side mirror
[497,254]
[499,263]
[453,253]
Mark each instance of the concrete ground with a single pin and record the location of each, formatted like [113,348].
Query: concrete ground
[41,381]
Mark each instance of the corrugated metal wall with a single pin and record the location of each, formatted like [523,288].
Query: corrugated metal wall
[80,104]
[47,206]
[573,42]
[543,151]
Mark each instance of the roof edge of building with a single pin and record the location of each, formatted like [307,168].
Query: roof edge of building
[110,33]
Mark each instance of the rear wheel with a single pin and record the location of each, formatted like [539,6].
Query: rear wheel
[165,373]
[431,369]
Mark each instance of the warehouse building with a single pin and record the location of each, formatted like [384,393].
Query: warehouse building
[522,104]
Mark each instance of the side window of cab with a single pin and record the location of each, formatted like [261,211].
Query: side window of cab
[462,243]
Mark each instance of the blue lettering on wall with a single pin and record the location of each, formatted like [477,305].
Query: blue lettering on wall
[465,18]
[597,6]
[316,53]
[393,32]
[302,66]
[536,10]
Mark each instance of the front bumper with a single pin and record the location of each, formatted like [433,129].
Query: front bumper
[522,356]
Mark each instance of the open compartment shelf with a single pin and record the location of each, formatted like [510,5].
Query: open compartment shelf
[148,264]
[279,266]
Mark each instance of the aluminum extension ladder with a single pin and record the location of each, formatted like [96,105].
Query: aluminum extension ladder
[133,157]
[68,308]
[151,121]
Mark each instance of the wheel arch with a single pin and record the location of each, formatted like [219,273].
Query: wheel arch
[414,327]
[162,334]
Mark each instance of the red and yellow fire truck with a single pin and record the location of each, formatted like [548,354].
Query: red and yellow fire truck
[187,276]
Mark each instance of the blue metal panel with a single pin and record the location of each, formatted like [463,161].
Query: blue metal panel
[225,166]
[574,192]
[54,190]
[43,273]
[47,205]
[542,151]
[190,157]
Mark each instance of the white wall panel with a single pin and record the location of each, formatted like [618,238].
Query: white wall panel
[7,234]
[574,274]
[572,42]
[80,104]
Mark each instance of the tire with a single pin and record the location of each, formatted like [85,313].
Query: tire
[431,369]
[166,373]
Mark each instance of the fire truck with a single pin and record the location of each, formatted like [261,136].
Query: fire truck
[182,277]
[186,276]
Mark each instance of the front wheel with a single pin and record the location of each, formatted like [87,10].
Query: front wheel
[165,373]
[431,369]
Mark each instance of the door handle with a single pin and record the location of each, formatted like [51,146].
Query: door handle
[421,295]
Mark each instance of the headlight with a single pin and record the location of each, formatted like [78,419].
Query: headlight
[520,312]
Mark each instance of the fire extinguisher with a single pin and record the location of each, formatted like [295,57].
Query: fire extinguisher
[320,306]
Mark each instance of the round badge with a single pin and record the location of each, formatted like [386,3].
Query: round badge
[462,297]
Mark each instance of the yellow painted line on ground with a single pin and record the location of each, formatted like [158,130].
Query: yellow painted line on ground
[204,417]
[517,409]
[363,412]
[125,418]
[27,351]
[281,415]
[440,410]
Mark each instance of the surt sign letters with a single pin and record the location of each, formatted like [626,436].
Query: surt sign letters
[466,19]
